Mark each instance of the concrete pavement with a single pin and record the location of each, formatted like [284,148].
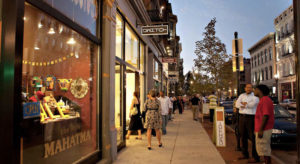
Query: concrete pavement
[186,142]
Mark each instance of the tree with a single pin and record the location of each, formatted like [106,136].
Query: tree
[211,54]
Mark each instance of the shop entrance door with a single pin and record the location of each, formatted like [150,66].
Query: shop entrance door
[132,85]
[119,101]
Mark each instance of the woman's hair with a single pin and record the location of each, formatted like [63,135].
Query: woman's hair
[136,94]
[152,93]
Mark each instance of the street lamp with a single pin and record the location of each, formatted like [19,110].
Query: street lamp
[276,79]
[192,82]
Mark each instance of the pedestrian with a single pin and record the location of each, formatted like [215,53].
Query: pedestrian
[235,122]
[153,118]
[264,122]
[195,107]
[170,108]
[135,117]
[174,104]
[247,104]
[164,102]
[212,105]
[180,104]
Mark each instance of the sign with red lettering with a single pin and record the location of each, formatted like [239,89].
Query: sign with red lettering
[169,60]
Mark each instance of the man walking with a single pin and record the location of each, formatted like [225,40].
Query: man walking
[247,104]
[164,102]
[264,123]
[195,107]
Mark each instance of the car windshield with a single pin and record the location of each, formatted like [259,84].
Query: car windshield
[280,112]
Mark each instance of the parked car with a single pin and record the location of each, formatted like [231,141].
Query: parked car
[285,128]
[289,103]
[228,111]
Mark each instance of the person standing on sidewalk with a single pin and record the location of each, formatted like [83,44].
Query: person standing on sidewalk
[170,108]
[135,119]
[153,118]
[195,107]
[247,104]
[264,122]
[180,104]
[164,102]
[212,105]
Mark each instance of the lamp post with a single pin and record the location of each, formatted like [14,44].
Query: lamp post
[276,79]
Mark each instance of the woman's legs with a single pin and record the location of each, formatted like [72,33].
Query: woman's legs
[128,134]
[158,135]
[140,134]
[149,136]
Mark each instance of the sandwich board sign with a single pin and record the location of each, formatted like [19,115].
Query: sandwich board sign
[219,127]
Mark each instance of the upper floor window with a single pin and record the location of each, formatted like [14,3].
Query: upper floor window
[258,59]
[266,70]
[271,72]
[262,57]
[270,53]
[266,55]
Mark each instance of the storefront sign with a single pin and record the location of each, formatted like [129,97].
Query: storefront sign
[31,109]
[155,30]
[169,60]
[65,143]
[173,73]
[219,127]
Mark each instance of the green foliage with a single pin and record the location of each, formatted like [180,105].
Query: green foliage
[212,59]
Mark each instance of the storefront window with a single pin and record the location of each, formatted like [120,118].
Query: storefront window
[131,47]
[142,57]
[155,65]
[118,102]
[59,88]
[83,12]
[119,36]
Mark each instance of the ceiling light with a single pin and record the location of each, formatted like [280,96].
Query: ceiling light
[40,25]
[51,31]
[71,41]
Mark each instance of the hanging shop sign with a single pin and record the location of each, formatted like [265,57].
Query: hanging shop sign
[169,60]
[155,30]
[173,73]
[31,109]
[219,127]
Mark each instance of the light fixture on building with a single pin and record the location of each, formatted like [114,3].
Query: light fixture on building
[51,31]
[276,76]
[40,25]
[71,41]
[24,18]
[36,48]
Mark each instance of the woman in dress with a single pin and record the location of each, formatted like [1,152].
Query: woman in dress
[135,120]
[153,118]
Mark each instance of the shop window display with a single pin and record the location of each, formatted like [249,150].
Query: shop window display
[132,47]
[119,36]
[59,81]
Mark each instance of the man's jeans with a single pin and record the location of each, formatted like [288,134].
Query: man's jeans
[170,113]
[164,123]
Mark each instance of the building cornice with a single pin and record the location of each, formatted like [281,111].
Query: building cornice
[267,38]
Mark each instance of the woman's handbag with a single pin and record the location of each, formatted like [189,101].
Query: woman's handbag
[134,111]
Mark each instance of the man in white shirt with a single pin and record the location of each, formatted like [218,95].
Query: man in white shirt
[247,104]
[164,102]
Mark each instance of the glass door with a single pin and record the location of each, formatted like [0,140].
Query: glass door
[118,105]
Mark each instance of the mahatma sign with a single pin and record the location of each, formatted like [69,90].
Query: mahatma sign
[155,30]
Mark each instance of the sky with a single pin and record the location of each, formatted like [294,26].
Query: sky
[252,19]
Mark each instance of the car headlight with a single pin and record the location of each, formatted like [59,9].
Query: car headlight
[277,131]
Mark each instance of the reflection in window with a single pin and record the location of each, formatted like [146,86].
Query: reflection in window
[131,44]
[58,78]
[119,36]
[118,95]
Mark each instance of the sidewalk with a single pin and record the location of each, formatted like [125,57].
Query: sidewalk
[185,142]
